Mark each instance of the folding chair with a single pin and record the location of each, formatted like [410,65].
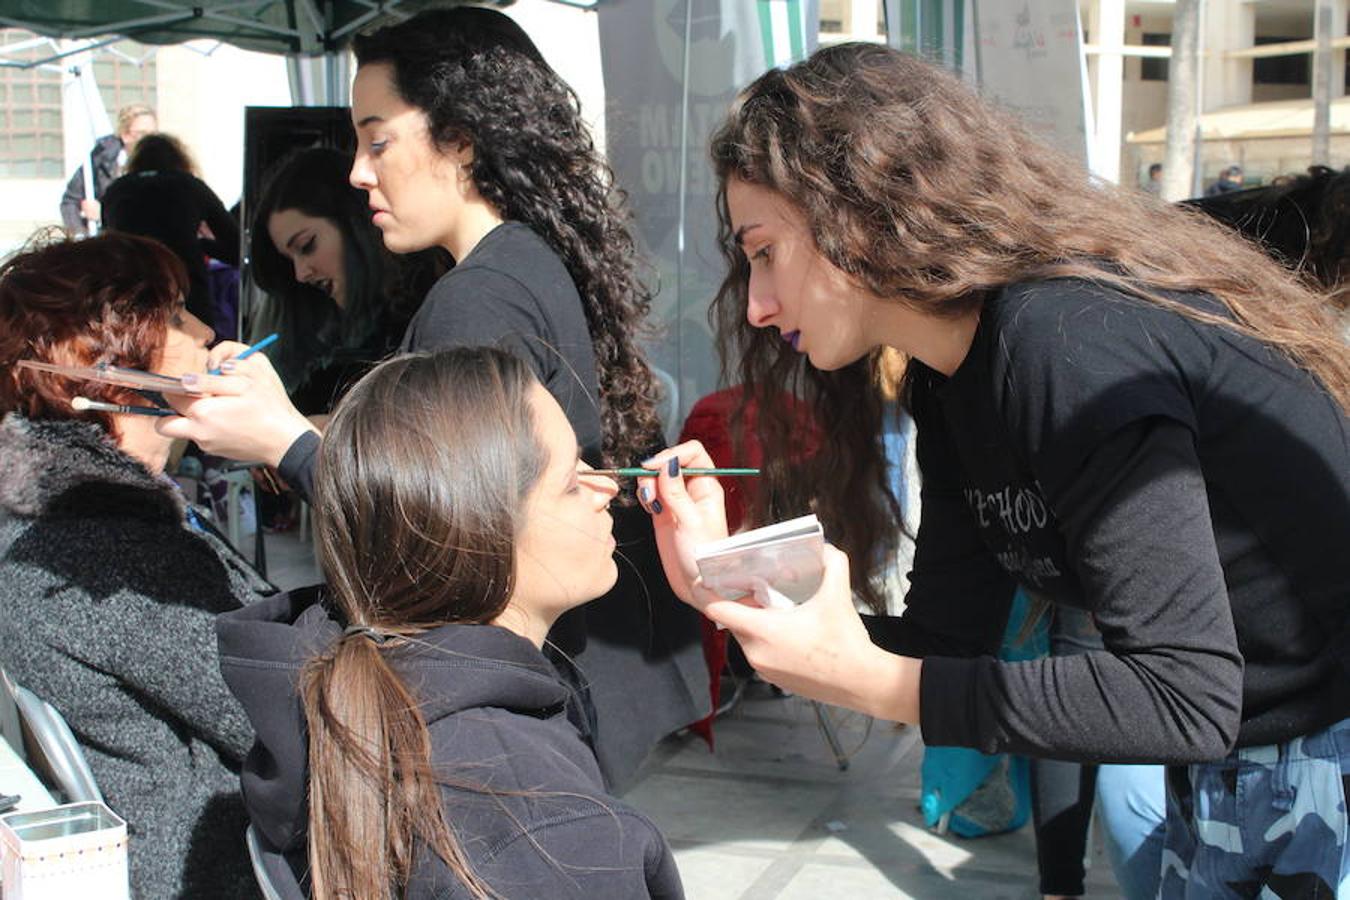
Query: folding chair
[282,885]
[10,729]
[48,744]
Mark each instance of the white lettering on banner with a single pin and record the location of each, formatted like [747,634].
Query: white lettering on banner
[1020,510]
[659,137]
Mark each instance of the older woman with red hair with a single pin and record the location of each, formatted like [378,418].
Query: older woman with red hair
[111,583]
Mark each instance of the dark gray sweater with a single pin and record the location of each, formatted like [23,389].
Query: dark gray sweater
[107,604]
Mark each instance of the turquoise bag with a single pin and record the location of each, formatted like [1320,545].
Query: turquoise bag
[969,793]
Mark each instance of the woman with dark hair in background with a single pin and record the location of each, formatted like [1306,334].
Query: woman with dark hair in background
[339,298]
[1119,406]
[1303,221]
[161,197]
[111,582]
[422,745]
[469,142]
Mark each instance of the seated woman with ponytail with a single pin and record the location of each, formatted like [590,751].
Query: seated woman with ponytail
[413,740]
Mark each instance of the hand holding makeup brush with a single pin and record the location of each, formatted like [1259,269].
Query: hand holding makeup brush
[242,414]
[686,512]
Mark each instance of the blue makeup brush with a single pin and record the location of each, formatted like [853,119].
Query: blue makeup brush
[249,351]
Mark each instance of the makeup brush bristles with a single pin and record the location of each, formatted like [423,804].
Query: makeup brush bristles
[84,404]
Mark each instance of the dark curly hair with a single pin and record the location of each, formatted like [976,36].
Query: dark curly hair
[921,192]
[1303,222]
[382,290]
[160,152]
[478,78]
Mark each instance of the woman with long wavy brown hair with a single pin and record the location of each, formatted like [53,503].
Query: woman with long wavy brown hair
[468,141]
[1121,407]
[414,741]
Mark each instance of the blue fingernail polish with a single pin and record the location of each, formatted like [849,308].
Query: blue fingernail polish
[657,507]
[646,494]
[674,467]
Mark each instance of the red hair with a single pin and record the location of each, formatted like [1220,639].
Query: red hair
[108,299]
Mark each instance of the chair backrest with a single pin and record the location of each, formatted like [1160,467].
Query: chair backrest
[49,746]
[269,889]
[10,729]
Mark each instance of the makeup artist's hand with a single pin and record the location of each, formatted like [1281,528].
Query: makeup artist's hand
[242,414]
[685,512]
[821,650]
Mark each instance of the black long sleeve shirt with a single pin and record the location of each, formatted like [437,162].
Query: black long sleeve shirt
[1186,485]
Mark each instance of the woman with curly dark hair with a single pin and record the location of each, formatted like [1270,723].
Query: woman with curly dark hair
[1120,406]
[469,142]
[479,147]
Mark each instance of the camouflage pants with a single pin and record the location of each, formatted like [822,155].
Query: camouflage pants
[1265,822]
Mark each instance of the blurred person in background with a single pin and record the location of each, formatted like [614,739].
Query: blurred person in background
[160,196]
[1230,180]
[106,161]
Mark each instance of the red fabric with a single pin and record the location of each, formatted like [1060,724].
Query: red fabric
[710,423]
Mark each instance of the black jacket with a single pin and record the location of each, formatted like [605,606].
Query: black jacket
[107,611]
[103,157]
[170,207]
[1186,485]
[498,717]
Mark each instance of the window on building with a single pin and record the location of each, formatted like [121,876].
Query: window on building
[1290,69]
[126,74]
[30,112]
[31,133]
[1154,68]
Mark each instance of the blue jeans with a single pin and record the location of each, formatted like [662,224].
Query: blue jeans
[1263,821]
[1132,807]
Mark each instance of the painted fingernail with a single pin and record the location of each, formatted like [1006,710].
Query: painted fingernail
[674,467]
[645,495]
[228,365]
[190,381]
[657,507]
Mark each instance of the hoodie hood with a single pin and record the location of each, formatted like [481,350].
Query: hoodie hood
[451,669]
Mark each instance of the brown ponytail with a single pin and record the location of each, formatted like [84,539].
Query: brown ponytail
[421,478]
[373,792]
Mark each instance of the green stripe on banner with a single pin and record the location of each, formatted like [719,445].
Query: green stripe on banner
[766,31]
[937,48]
[795,29]
[909,20]
[959,35]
